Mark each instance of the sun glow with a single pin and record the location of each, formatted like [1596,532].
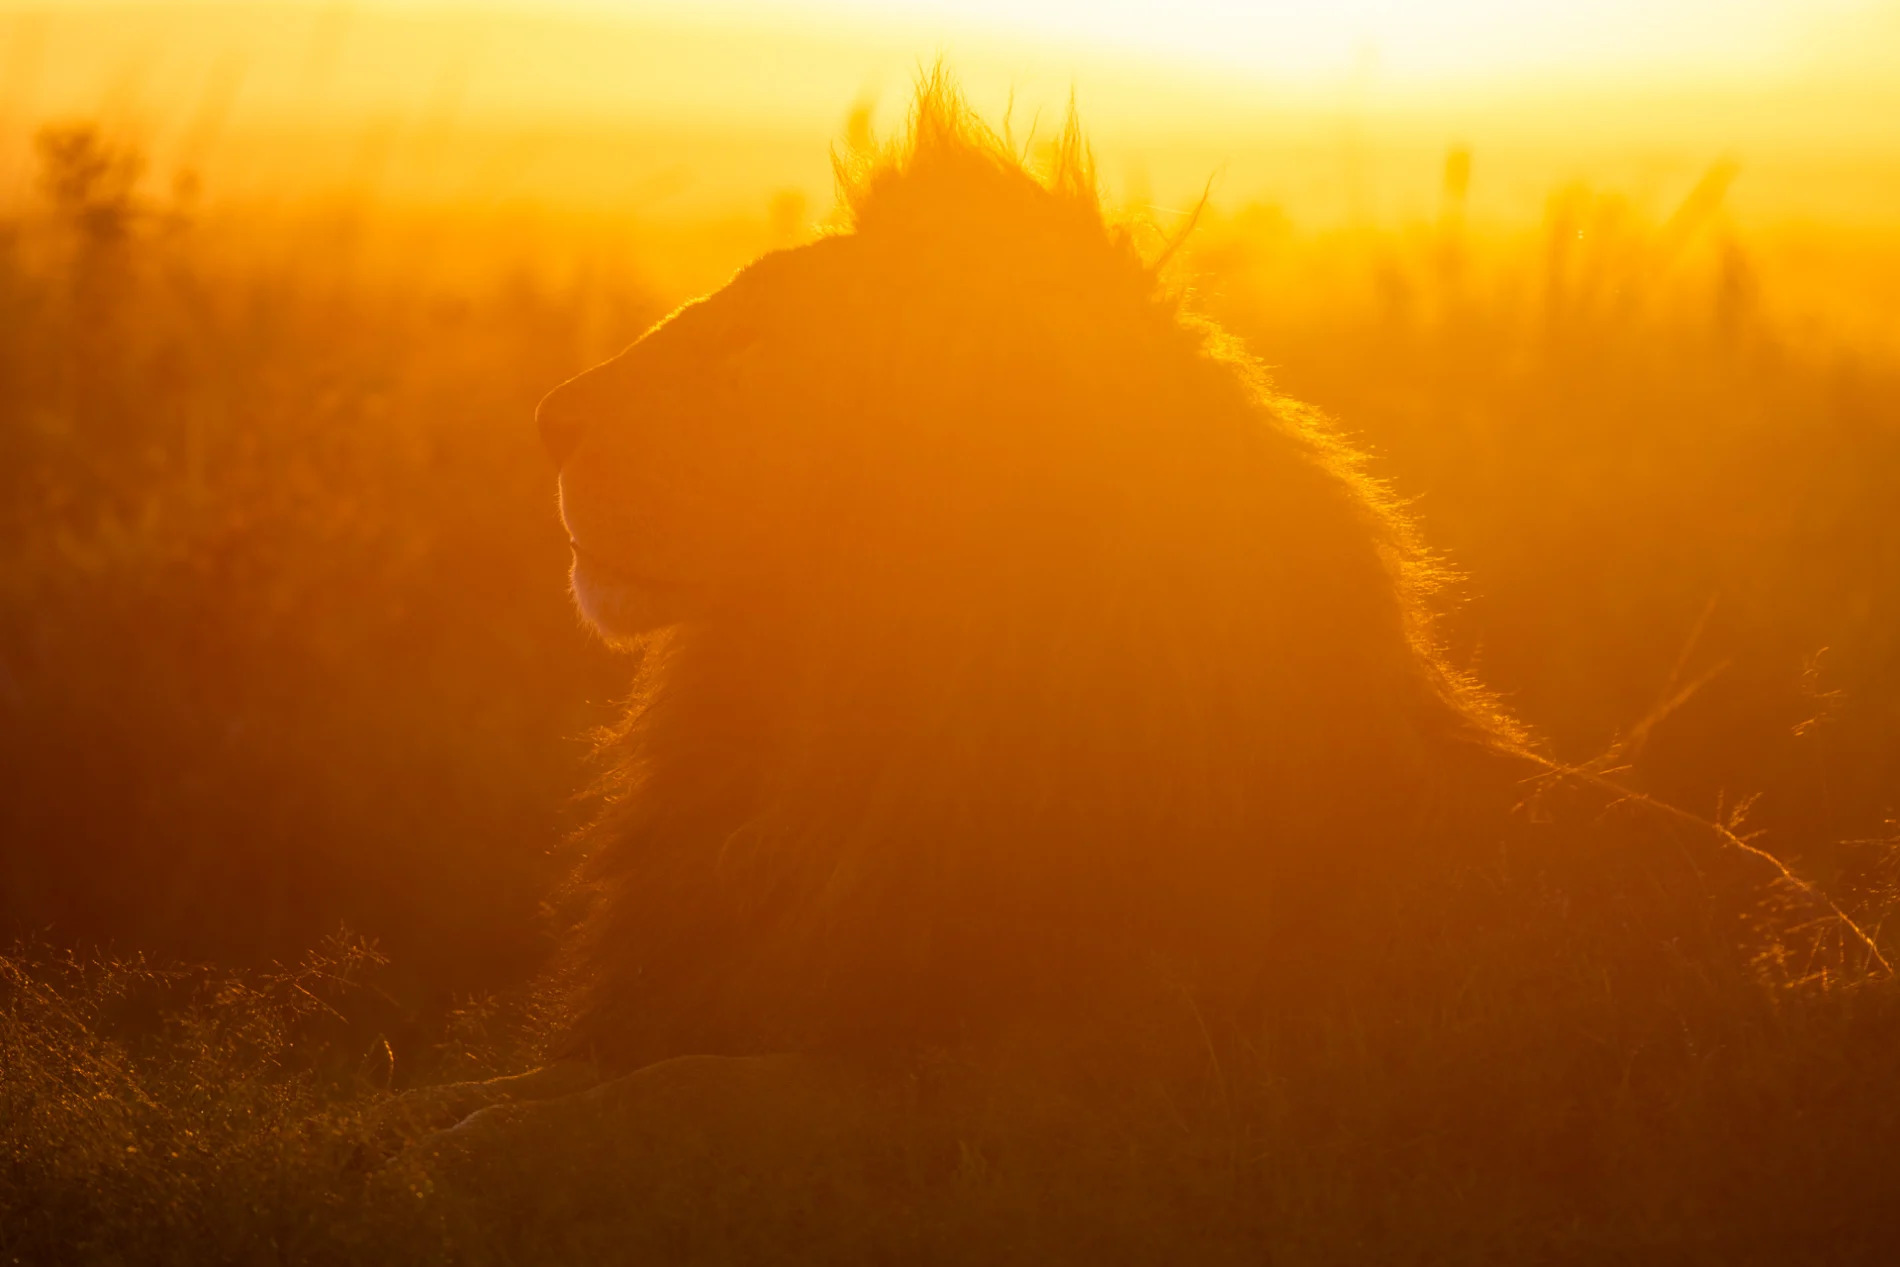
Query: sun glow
[1333,110]
[1297,41]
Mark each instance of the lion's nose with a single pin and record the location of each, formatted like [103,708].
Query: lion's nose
[561,421]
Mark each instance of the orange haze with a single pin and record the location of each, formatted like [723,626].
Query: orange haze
[1331,111]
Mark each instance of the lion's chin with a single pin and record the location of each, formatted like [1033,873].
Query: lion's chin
[620,610]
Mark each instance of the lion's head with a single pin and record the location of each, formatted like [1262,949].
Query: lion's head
[999,625]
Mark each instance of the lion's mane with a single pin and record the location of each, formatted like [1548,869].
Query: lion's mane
[1176,699]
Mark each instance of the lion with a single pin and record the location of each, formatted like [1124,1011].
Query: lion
[1003,636]
[1044,775]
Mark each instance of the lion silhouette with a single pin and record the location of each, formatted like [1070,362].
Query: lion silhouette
[1046,826]
[1003,639]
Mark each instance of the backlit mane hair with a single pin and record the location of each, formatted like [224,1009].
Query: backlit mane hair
[949,169]
[949,177]
[1182,684]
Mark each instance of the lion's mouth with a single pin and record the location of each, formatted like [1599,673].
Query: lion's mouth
[620,603]
[615,572]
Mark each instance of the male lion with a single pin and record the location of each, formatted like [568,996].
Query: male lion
[1044,807]
[1003,637]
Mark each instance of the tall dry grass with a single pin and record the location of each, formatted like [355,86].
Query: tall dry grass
[1667,485]
[284,633]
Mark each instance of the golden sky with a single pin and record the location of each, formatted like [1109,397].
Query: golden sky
[1329,107]
[1420,42]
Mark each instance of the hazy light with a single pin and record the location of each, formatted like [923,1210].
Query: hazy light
[1333,109]
[1305,39]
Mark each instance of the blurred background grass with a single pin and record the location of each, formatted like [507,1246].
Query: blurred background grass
[286,638]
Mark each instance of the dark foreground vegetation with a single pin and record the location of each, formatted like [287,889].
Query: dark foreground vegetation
[284,648]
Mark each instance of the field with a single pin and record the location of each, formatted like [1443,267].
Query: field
[290,684]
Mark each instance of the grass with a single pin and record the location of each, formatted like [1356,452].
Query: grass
[208,1117]
[170,1115]
[284,644]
